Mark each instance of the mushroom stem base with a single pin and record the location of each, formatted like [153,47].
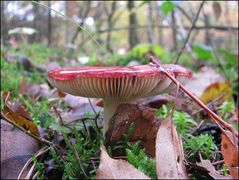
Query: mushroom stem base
[110,106]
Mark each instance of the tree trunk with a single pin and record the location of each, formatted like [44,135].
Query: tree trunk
[133,37]
[150,31]
[110,24]
[36,37]
[3,24]
[49,24]
[174,32]
[160,29]
[207,34]
[86,10]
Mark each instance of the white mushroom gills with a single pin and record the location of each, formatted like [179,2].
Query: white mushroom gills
[117,86]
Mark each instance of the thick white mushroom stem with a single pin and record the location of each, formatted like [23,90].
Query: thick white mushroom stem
[110,106]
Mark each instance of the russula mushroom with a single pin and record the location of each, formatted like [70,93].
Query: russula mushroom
[116,85]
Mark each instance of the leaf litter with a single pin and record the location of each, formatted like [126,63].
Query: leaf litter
[116,169]
[169,152]
[167,129]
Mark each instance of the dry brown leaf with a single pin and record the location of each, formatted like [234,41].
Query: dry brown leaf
[230,153]
[16,148]
[169,152]
[18,114]
[215,90]
[201,80]
[206,164]
[146,126]
[116,169]
[35,91]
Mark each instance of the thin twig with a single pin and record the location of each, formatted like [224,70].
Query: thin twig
[184,13]
[40,139]
[30,172]
[92,107]
[220,28]
[211,113]
[189,32]
[198,126]
[59,115]
[38,153]
[218,162]
[217,57]
[35,175]
[211,103]
[78,160]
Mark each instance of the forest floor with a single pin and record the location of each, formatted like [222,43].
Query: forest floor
[58,135]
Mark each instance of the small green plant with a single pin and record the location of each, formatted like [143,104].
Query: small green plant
[39,167]
[226,107]
[183,122]
[224,168]
[202,143]
[139,159]
[164,111]
[135,153]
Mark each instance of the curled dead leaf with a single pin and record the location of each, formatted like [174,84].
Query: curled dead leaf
[116,169]
[215,90]
[169,152]
[207,165]
[18,114]
[230,153]
[145,130]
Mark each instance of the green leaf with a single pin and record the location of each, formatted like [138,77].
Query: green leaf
[202,52]
[167,7]
[230,58]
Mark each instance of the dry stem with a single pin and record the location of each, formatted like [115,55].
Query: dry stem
[212,114]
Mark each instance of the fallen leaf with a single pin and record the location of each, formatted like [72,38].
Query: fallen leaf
[9,57]
[155,101]
[100,103]
[146,126]
[116,169]
[35,91]
[79,107]
[206,164]
[75,101]
[230,153]
[169,152]
[17,113]
[215,90]
[16,148]
[201,80]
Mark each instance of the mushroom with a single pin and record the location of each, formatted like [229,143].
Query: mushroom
[116,85]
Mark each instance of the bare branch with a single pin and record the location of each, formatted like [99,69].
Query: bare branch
[189,33]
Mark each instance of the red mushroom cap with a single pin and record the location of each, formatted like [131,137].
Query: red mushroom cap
[113,82]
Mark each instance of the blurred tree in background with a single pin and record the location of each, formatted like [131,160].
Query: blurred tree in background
[122,24]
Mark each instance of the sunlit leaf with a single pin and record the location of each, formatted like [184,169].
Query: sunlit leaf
[215,90]
[16,113]
[202,52]
[167,7]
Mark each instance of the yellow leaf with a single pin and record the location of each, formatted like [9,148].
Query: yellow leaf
[215,90]
[20,120]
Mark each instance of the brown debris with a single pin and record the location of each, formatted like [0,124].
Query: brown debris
[146,126]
